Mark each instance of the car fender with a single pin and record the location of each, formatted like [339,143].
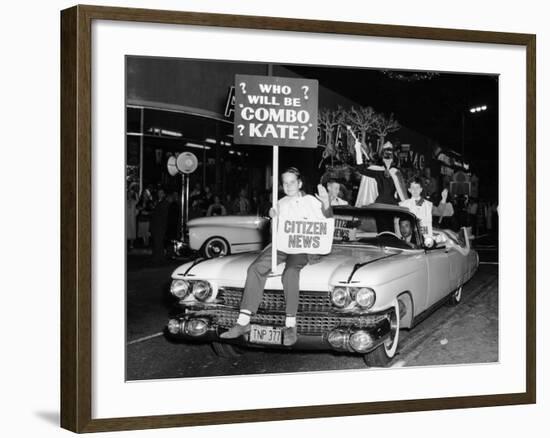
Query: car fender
[388,285]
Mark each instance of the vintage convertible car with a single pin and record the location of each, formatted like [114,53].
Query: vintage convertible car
[355,299]
[217,236]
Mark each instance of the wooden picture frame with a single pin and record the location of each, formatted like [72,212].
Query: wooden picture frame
[76,217]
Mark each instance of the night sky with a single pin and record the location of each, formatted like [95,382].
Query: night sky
[431,106]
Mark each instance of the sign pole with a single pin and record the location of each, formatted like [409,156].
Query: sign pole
[275,195]
[185,163]
[277,110]
[184,205]
[184,200]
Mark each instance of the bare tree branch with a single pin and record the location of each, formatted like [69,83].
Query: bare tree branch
[385,125]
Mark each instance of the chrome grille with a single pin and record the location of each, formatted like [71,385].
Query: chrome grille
[307,324]
[274,300]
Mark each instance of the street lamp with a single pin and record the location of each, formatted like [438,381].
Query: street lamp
[476,109]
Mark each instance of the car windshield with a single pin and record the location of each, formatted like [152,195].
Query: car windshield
[379,227]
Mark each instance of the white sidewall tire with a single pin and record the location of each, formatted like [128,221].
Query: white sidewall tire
[392,349]
[456,297]
[208,253]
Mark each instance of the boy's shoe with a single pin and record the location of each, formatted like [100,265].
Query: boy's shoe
[236,331]
[290,335]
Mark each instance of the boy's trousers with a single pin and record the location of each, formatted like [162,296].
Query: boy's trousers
[257,275]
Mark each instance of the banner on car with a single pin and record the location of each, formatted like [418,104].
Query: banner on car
[305,236]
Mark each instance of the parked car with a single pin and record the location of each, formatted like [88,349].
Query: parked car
[355,299]
[217,236]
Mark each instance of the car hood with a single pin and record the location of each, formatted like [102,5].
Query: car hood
[337,267]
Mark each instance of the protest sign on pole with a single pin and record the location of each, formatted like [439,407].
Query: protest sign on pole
[275,111]
[271,110]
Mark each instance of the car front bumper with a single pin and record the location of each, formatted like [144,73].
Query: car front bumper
[315,331]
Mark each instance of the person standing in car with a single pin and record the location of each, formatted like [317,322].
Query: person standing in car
[420,206]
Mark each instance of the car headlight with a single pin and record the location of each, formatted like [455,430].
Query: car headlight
[340,297]
[179,288]
[360,341]
[338,339]
[174,326]
[196,327]
[202,290]
[364,297]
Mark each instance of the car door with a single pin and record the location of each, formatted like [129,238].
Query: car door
[439,272]
[438,269]
[459,256]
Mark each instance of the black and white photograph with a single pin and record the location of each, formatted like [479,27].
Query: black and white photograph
[289,218]
[275,218]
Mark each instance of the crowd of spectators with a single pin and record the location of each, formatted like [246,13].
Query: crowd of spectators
[203,202]
[153,217]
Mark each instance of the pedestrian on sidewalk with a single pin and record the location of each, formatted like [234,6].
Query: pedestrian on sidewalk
[132,199]
[159,226]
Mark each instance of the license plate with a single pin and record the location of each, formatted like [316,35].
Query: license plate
[261,334]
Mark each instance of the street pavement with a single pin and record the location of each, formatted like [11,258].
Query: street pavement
[467,333]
